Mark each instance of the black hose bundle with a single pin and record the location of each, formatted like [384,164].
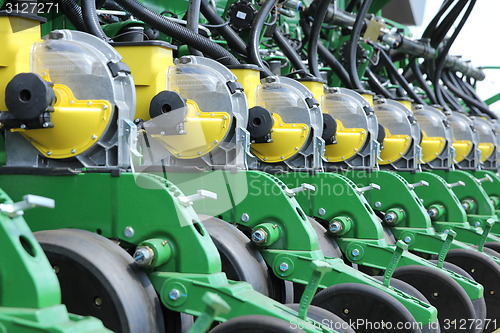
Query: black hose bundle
[233,40]
[289,51]
[312,54]
[353,44]
[74,13]
[179,32]
[192,21]
[91,20]
[254,37]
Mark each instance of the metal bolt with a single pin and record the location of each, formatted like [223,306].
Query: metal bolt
[143,255]
[98,301]
[321,211]
[346,311]
[390,217]
[432,212]
[435,294]
[45,125]
[104,107]
[162,132]
[49,153]
[259,236]
[56,269]
[355,252]
[174,294]
[407,239]
[73,151]
[93,137]
[378,204]
[128,232]
[477,224]
[245,217]
[89,103]
[23,126]
[283,267]
[335,227]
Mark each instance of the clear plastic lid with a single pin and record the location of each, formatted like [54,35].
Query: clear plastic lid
[461,125]
[346,109]
[430,122]
[394,119]
[485,130]
[284,100]
[201,84]
[74,64]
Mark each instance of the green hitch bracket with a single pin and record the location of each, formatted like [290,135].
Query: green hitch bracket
[401,247]
[215,306]
[446,247]
[320,268]
[486,230]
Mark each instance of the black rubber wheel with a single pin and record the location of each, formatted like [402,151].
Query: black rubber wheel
[327,244]
[444,293]
[325,317]
[479,304]
[98,278]
[495,246]
[353,302]
[485,271]
[241,259]
[256,324]
[405,287]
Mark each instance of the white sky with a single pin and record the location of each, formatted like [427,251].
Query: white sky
[478,41]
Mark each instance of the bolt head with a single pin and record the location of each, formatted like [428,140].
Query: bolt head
[174,294]
[128,232]
[378,204]
[335,227]
[259,236]
[245,217]
[321,211]
[477,224]
[407,239]
[283,267]
[355,252]
[390,217]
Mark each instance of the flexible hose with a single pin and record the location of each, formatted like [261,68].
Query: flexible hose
[375,84]
[192,21]
[254,37]
[353,44]
[288,51]
[312,54]
[233,40]
[91,19]
[74,13]
[335,65]
[179,32]
[415,67]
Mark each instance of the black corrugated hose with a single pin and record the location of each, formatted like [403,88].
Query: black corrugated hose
[179,32]
[312,54]
[91,19]
[74,13]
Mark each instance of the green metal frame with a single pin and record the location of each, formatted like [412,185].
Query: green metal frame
[30,300]
[141,208]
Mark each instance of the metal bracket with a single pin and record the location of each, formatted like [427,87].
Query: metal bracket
[418,184]
[29,201]
[401,247]
[215,306]
[319,268]
[459,183]
[200,194]
[446,247]
[370,187]
[488,224]
[304,187]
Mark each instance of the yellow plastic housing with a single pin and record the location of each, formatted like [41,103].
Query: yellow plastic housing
[486,148]
[249,78]
[395,146]
[148,64]
[462,149]
[406,103]
[78,125]
[17,36]
[432,147]
[204,131]
[349,142]
[316,88]
[287,139]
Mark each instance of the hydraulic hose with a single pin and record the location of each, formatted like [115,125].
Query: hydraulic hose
[353,44]
[91,19]
[375,84]
[336,66]
[192,21]
[312,54]
[74,13]
[415,67]
[232,38]
[254,37]
[179,32]
[288,50]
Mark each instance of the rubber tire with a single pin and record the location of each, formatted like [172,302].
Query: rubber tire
[479,304]
[241,259]
[327,244]
[101,264]
[470,261]
[495,246]
[378,306]
[405,287]
[256,324]
[320,315]
[433,277]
